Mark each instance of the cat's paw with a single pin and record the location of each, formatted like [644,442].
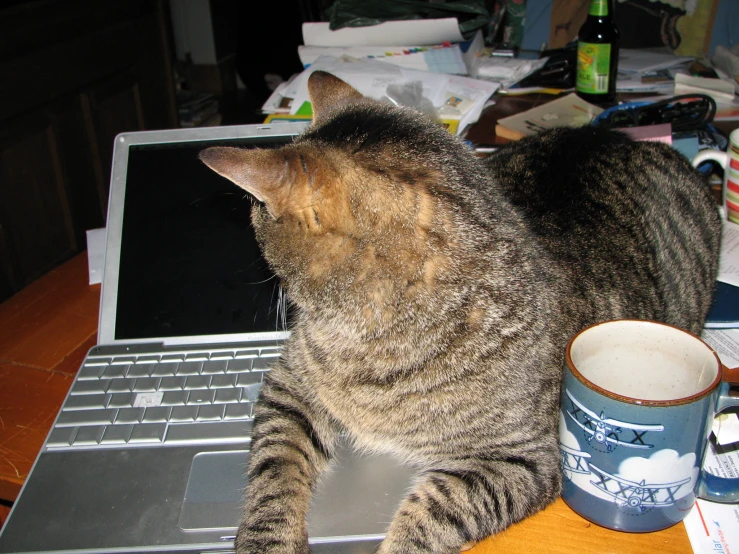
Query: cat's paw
[270,541]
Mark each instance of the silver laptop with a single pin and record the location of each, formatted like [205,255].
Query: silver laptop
[149,450]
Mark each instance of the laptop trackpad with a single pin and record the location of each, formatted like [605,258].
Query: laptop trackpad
[214,490]
[357,497]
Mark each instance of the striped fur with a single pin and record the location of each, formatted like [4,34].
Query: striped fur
[435,292]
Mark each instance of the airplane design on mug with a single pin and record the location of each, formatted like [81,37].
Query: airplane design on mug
[608,431]
[638,496]
[573,461]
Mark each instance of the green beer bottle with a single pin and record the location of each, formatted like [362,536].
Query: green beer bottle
[597,54]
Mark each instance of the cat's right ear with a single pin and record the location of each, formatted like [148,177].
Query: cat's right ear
[254,170]
[328,92]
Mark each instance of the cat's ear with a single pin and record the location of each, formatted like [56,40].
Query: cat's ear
[257,171]
[327,92]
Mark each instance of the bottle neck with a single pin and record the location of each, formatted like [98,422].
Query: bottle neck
[600,8]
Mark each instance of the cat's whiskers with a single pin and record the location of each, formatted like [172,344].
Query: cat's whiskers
[261,282]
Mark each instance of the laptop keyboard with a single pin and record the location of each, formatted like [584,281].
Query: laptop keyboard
[167,399]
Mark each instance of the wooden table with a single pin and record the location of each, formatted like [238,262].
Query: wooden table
[45,332]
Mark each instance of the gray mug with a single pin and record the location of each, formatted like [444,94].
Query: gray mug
[638,403]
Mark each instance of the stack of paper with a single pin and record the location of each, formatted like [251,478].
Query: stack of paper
[425,62]
[649,70]
[456,100]
[458,58]
[426,44]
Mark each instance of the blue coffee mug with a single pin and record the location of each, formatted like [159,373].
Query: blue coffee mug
[638,403]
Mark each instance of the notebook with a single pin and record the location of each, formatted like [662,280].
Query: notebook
[149,450]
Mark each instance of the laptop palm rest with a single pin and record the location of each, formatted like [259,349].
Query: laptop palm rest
[356,498]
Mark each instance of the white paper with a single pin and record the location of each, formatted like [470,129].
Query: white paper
[713,528]
[421,32]
[644,60]
[726,344]
[95,255]
[728,265]
[718,89]
[455,97]
[443,60]
[507,71]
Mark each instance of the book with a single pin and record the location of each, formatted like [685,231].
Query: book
[724,312]
[567,111]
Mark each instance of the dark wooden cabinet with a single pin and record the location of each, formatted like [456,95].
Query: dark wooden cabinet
[73,74]
[34,210]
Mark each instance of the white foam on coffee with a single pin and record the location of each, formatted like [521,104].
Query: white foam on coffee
[644,360]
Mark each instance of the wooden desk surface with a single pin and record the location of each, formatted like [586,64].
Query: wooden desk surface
[45,332]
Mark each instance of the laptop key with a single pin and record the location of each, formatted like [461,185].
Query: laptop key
[139,370]
[184,413]
[148,432]
[148,359]
[156,415]
[165,369]
[123,360]
[250,378]
[201,397]
[90,372]
[172,383]
[61,436]
[174,398]
[253,353]
[121,385]
[240,365]
[227,396]
[210,412]
[88,436]
[264,362]
[85,417]
[146,384]
[197,382]
[113,371]
[90,387]
[239,411]
[85,402]
[116,434]
[129,415]
[214,366]
[189,368]
[120,400]
[97,361]
[222,381]
[209,432]
[222,355]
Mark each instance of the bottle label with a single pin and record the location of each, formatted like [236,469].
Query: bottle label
[598,7]
[593,65]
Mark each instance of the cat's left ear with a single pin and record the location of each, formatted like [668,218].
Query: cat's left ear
[257,171]
[328,92]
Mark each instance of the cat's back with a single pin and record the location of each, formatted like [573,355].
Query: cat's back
[631,222]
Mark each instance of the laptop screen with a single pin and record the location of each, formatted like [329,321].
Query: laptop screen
[189,262]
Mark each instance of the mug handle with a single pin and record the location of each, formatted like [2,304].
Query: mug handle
[722,158]
[716,155]
[711,487]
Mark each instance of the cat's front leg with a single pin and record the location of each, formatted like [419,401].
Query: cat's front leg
[291,445]
[452,508]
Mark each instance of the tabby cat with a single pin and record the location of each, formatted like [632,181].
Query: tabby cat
[435,293]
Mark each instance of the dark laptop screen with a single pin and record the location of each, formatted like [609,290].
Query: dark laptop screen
[190,264]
